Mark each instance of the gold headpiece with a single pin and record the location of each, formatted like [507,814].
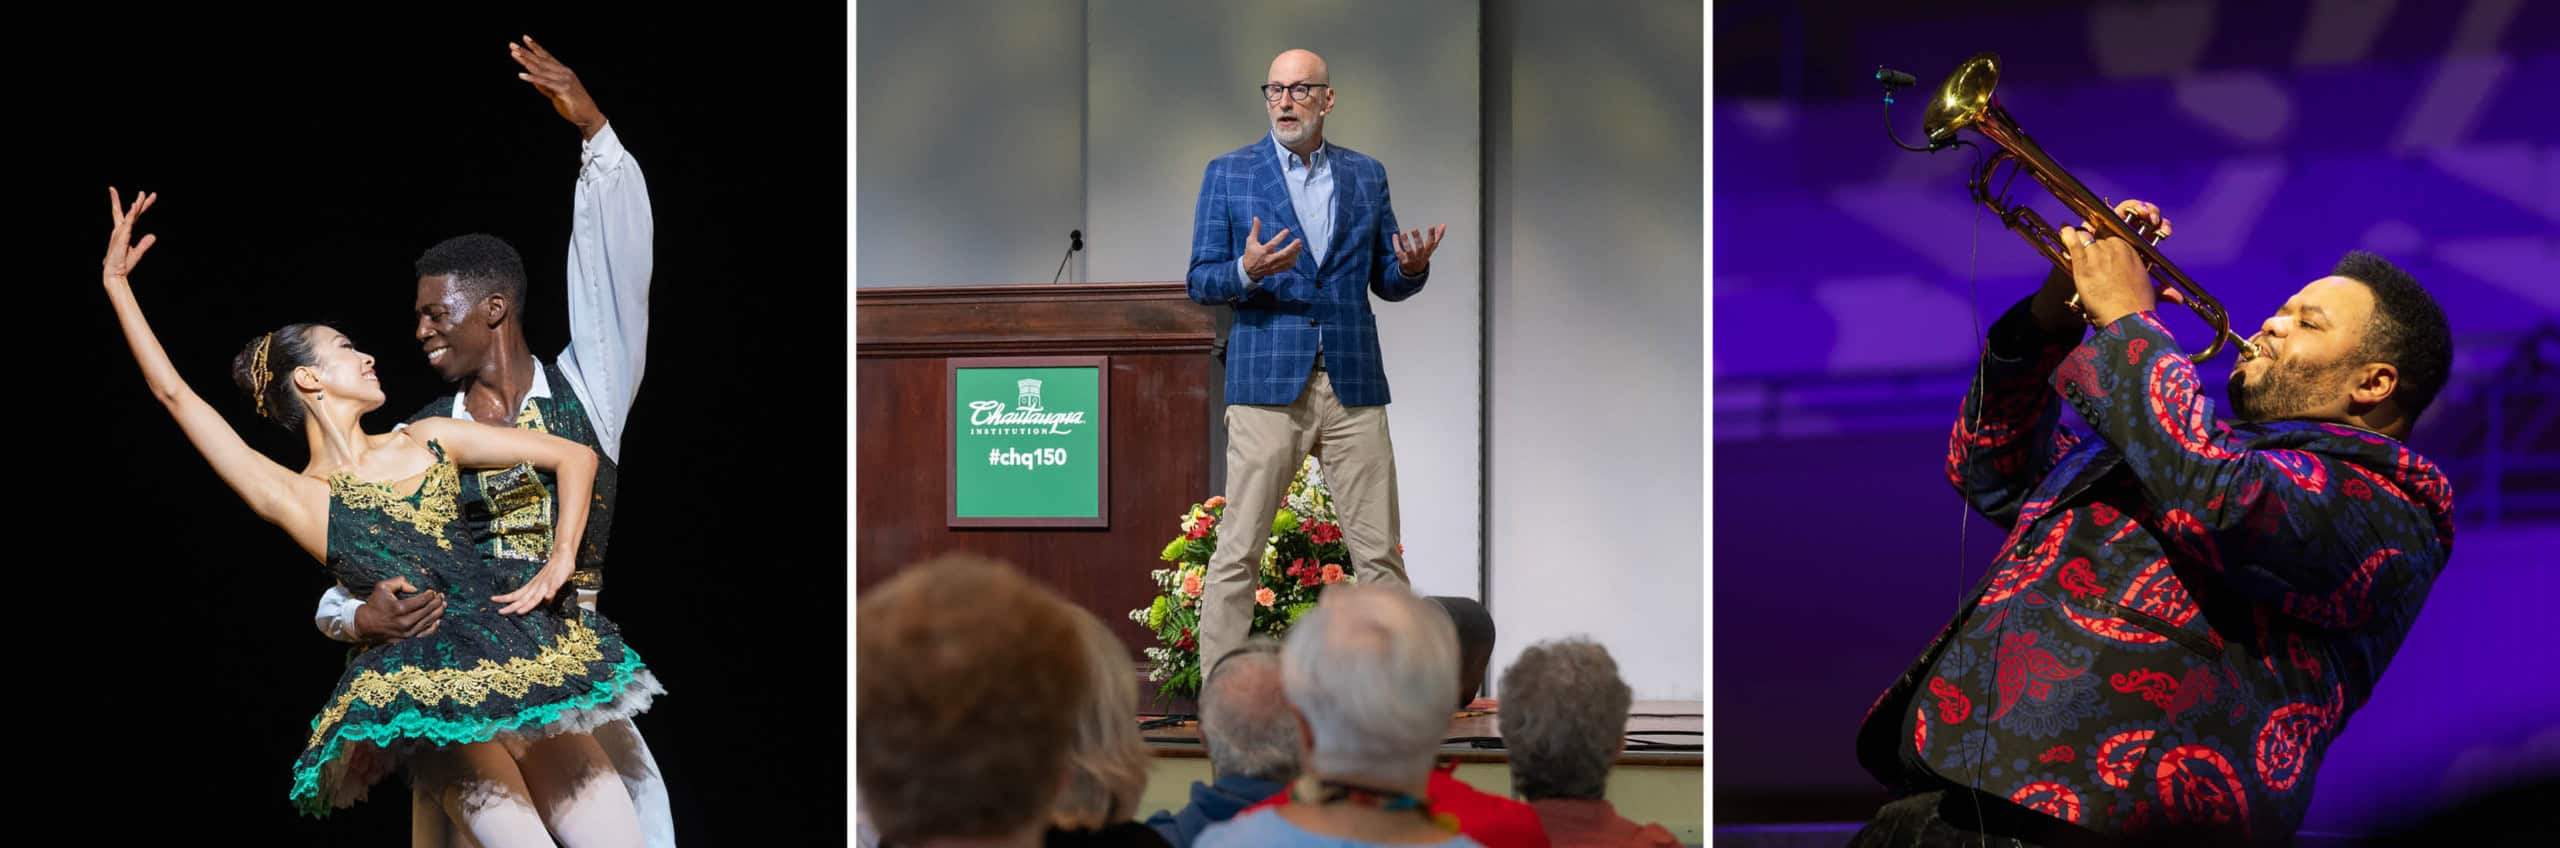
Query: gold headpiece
[258,376]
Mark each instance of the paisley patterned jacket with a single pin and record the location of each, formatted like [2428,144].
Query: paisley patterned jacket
[2186,612]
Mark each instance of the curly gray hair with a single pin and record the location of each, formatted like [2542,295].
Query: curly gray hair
[1564,711]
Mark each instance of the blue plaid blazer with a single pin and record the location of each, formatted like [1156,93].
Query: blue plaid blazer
[1271,350]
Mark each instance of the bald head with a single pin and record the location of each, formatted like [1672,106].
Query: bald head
[1299,66]
[1298,123]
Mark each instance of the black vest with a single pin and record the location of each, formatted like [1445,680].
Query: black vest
[517,502]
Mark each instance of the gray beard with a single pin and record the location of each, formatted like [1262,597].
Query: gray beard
[1306,129]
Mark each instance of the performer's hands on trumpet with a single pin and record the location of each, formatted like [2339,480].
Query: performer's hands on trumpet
[2108,279]
[2108,275]
[2064,303]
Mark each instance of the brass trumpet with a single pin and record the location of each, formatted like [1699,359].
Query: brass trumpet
[1964,101]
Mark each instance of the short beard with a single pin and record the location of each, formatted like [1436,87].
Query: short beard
[2288,392]
[1307,128]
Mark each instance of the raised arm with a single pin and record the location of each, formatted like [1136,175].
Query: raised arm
[476,444]
[611,238]
[2008,433]
[283,498]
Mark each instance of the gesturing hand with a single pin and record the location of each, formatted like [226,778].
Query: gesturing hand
[1262,260]
[122,253]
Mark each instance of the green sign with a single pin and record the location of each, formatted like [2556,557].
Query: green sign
[1027,442]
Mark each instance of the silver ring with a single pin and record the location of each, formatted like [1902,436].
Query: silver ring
[2087,240]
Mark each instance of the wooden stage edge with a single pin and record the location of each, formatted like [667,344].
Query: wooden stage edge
[1664,723]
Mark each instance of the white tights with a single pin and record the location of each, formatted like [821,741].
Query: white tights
[513,793]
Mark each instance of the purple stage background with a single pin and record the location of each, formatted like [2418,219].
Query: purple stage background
[1848,276]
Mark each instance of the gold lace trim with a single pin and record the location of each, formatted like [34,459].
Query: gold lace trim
[429,511]
[553,667]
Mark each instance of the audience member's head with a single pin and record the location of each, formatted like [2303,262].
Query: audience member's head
[967,715]
[1372,671]
[1475,644]
[1245,722]
[1564,719]
[1107,769]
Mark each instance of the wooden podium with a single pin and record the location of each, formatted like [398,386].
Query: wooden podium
[1163,385]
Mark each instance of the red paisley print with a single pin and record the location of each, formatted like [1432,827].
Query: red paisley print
[2191,539]
[2174,694]
[2194,690]
[2018,575]
[2111,627]
[2119,754]
[2028,670]
[2370,483]
[2423,479]
[2050,798]
[2063,442]
[2156,591]
[2104,514]
[2284,743]
[2058,754]
[2080,370]
[1953,706]
[2198,786]
[2078,580]
[1920,732]
[2182,413]
[2154,686]
[2265,517]
[2133,351]
[2305,470]
[2350,605]
[2302,655]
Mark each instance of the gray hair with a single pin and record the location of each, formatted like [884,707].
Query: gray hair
[1245,721]
[1373,669]
[1564,711]
[1107,768]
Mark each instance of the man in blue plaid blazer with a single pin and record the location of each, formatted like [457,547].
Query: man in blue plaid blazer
[1303,371]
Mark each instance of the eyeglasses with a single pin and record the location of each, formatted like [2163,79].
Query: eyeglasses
[1302,92]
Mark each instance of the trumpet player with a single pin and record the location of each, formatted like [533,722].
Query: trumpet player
[2188,608]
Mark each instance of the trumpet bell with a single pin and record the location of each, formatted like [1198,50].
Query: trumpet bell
[1963,99]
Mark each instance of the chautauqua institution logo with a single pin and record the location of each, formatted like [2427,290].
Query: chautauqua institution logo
[1028,418]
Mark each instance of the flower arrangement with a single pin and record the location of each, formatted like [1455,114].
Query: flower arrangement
[1305,554]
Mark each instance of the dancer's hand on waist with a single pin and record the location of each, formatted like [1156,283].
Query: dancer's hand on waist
[386,617]
[538,592]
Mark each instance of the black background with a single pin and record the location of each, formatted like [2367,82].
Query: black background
[304,163]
